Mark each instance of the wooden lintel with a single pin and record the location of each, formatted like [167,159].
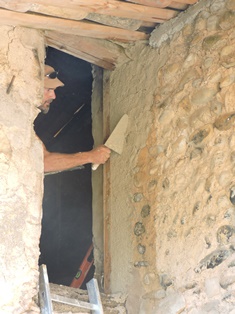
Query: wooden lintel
[92,50]
[80,28]
[85,44]
[79,54]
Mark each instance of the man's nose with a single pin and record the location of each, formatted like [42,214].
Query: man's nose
[52,94]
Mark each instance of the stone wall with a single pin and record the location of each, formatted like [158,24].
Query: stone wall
[172,235]
[21,168]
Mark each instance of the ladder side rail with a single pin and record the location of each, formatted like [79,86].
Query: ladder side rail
[94,295]
[44,291]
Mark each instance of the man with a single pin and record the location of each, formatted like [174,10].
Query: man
[59,161]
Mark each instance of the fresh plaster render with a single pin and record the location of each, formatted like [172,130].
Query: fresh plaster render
[21,168]
[172,216]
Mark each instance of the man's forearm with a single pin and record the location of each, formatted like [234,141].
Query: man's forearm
[60,162]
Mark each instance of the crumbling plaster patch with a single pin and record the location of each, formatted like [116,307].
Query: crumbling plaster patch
[21,168]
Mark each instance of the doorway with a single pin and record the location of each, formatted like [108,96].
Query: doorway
[67,206]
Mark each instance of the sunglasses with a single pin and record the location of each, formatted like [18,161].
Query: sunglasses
[52,75]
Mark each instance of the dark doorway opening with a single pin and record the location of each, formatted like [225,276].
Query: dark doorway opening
[67,206]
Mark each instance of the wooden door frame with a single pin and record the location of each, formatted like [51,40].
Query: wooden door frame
[106,186]
[101,179]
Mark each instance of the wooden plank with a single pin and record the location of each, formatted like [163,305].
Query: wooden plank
[79,54]
[113,8]
[161,4]
[97,176]
[15,6]
[135,11]
[128,10]
[153,3]
[88,49]
[84,29]
[67,13]
[107,187]
[101,48]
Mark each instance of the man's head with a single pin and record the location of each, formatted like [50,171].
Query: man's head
[51,82]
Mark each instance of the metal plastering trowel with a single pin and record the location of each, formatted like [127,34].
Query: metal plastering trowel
[116,139]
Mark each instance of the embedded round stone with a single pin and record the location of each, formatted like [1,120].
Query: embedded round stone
[139,229]
[145,211]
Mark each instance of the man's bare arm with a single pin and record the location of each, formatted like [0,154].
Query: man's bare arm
[60,162]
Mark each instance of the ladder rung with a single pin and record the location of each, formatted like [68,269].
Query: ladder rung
[74,302]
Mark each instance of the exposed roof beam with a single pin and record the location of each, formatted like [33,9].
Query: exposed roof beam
[93,28]
[153,3]
[161,4]
[84,29]
[17,5]
[110,7]
[128,10]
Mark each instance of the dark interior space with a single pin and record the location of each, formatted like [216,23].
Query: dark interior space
[67,205]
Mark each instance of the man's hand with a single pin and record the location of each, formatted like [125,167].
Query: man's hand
[100,154]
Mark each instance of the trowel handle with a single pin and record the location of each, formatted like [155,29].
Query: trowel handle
[94,166]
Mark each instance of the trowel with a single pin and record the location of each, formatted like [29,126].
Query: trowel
[116,139]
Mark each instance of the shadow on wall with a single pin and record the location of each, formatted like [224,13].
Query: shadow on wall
[67,206]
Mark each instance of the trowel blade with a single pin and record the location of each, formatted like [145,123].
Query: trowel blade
[116,139]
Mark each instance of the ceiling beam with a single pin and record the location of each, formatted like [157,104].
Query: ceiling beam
[80,28]
[161,4]
[153,3]
[43,9]
[109,7]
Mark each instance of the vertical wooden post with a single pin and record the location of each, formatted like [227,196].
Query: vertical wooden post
[106,185]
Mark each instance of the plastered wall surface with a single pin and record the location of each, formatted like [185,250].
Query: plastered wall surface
[21,168]
[172,235]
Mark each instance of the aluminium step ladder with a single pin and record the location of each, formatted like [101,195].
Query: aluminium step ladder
[45,298]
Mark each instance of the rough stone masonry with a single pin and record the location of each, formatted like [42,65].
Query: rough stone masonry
[173,188]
